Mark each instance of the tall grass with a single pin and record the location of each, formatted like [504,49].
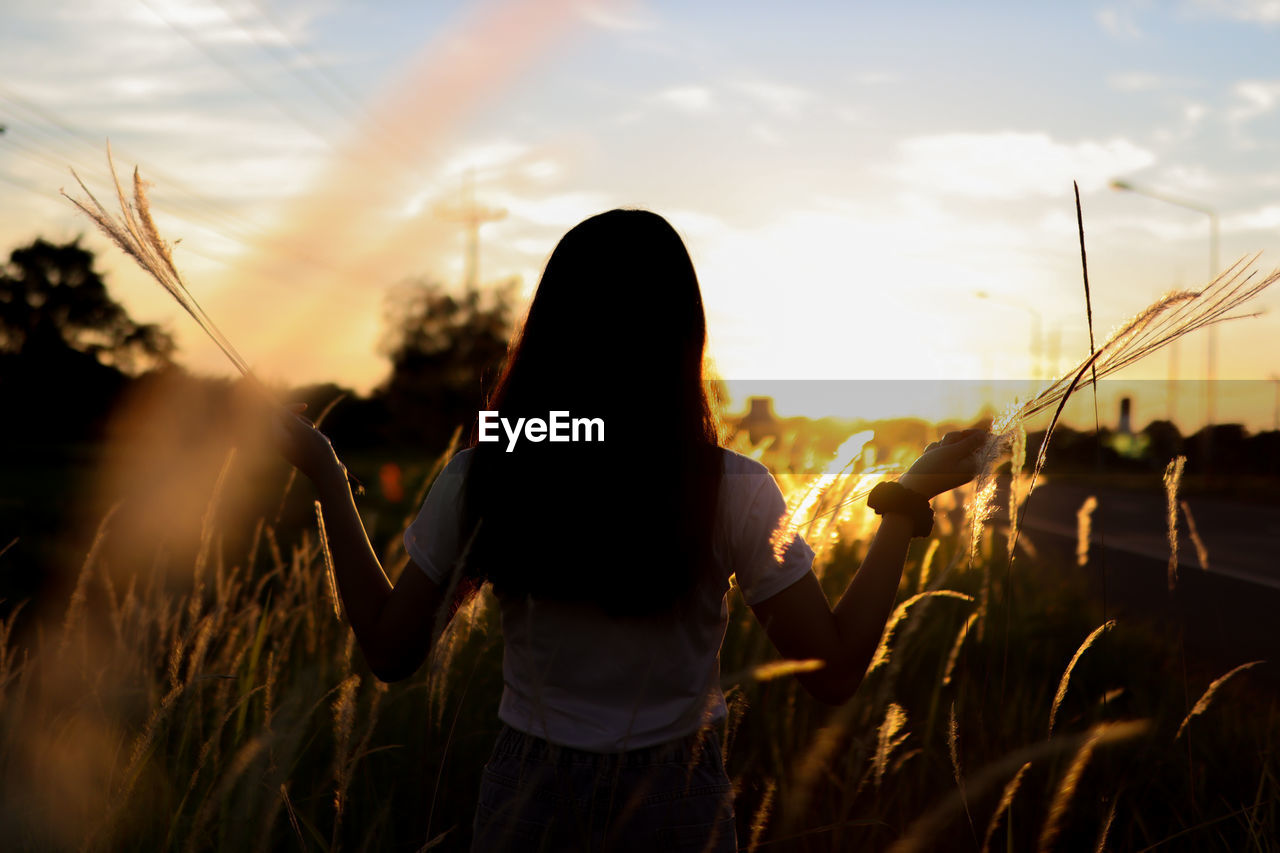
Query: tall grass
[230,712]
[233,712]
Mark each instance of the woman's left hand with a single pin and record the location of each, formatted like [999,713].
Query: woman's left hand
[946,464]
[306,447]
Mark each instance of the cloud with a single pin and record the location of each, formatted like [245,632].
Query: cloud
[1013,165]
[1118,22]
[212,21]
[766,135]
[1192,179]
[781,99]
[1138,81]
[1254,98]
[688,99]
[485,156]
[876,78]
[1264,219]
[561,210]
[1261,11]
[619,15]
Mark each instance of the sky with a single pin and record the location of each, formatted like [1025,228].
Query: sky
[868,191]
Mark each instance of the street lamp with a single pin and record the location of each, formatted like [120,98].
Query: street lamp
[1037,330]
[1212,356]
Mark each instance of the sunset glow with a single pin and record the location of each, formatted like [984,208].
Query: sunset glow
[848,221]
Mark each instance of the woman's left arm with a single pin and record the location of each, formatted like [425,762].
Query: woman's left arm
[393,624]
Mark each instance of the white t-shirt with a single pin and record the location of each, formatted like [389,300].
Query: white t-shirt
[577,677]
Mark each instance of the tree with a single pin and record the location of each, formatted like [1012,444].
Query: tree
[64,344]
[53,301]
[444,350]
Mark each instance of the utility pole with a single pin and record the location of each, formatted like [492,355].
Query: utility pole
[1275,417]
[472,216]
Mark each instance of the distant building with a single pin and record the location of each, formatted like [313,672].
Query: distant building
[760,422]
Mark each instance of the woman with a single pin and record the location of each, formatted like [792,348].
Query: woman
[611,556]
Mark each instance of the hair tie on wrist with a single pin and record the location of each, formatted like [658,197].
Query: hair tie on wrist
[893,497]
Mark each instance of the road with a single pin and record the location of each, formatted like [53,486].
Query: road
[1229,611]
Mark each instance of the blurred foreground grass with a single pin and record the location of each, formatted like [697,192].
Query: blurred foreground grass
[222,706]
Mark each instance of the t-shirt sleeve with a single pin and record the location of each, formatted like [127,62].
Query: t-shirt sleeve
[433,540]
[767,558]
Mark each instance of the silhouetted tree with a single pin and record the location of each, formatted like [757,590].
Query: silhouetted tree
[444,348]
[52,300]
[1166,443]
[64,344]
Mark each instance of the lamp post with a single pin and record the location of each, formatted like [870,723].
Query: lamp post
[1275,417]
[1037,330]
[1212,355]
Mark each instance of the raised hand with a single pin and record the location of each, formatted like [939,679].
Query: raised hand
[946,464]
[306,447]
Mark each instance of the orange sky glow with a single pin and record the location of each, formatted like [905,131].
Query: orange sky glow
[847,218]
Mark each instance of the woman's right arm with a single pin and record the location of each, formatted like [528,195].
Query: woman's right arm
[802,624]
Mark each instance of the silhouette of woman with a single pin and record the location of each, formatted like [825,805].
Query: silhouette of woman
[610,556]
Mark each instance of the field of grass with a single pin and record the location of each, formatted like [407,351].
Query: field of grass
[214,701]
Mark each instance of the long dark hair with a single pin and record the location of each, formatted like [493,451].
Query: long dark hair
[616,331]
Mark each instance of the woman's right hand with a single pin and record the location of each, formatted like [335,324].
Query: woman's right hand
[306,447]
[946,464]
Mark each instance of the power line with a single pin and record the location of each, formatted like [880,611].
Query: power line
[247,81]
[90,143]
[199,210]
[23,185]
[343,104]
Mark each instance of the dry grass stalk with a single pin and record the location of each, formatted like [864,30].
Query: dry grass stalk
[1084,530]
[1017,461]
[8,653]
[1067,788]
[293,817]
[1006,802]
[771,671]
[926,564]
[344,714]
[1066,675]
[135,233]
[761,819]
[1101,846]
[1159,324]
[819,508]
[139,753]
[953,747]
[922,833]
[953,657]
[203,756]
[1202,553]
[884,650]
[953,751]
[207,528]
[239,764]
[1172,480]
[268,693]
[75,609]
[176,647]
[1206,698]
[890,736]
[204,633]
[825,744]
[736,708]
[328,562]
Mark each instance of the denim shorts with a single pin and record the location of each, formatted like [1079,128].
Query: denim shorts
[672,797]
